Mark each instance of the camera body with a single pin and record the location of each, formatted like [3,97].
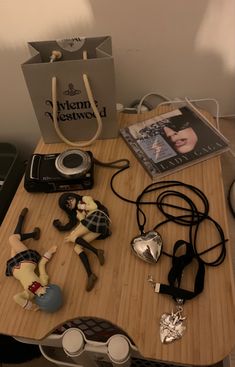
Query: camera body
[57,172]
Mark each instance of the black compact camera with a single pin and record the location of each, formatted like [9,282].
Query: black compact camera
[67,171]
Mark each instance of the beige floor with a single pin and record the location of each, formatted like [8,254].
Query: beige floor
[227,126]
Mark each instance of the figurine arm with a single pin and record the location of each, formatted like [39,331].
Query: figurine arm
[90,204]
[22,299]
[42,265]
[81,215]
[79,231]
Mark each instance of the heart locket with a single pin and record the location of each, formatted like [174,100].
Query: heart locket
[148,246]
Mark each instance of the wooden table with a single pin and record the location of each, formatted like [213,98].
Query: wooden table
[122,294]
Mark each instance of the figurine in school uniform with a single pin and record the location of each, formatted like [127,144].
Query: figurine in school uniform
[89,220]
[29,268]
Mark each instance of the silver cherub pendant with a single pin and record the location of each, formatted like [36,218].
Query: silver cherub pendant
[172,326]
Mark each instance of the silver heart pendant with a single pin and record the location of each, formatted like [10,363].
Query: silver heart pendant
[148,246]
[172,326]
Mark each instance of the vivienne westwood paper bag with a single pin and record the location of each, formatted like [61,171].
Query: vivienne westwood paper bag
[73,110]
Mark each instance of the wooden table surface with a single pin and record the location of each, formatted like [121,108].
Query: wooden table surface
[122,294]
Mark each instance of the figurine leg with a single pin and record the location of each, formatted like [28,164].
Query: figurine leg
[35,234]
[91,277]
[18,230]
[21,219]
[16,244]
[98,252]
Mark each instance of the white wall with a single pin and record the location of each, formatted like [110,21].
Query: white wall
[173,47]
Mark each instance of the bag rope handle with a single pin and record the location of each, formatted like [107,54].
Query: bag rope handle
[93,106]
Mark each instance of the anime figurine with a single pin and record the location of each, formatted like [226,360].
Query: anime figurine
[91,221]
[23,265]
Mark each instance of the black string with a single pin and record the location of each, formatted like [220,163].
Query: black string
[192,217]
[119,163]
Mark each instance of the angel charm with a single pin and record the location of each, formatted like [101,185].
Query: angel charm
[172,326]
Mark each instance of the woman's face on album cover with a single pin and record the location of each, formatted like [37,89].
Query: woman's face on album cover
[184,140]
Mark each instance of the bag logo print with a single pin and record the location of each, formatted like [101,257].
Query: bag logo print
[71,91]
[72,44]
[75,110]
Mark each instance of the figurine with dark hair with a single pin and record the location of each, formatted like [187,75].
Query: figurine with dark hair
[89,220]
[23,265]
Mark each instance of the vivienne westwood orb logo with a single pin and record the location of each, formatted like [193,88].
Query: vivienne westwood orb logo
[71,91]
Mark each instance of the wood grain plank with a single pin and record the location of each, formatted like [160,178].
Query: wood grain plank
[122,294]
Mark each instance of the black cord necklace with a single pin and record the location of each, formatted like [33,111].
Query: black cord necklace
[148,245]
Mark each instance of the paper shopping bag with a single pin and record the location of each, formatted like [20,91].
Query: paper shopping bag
[64,63]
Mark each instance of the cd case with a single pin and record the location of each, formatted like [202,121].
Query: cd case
[174,140]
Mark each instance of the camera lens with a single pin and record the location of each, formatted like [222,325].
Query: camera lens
[73,163]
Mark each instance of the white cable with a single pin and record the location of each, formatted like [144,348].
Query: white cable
[232,152]
[203,100]
[150,94]
[191,101]
[196,109]
[170,102]
[130,109]
[218,116]
[227,116]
